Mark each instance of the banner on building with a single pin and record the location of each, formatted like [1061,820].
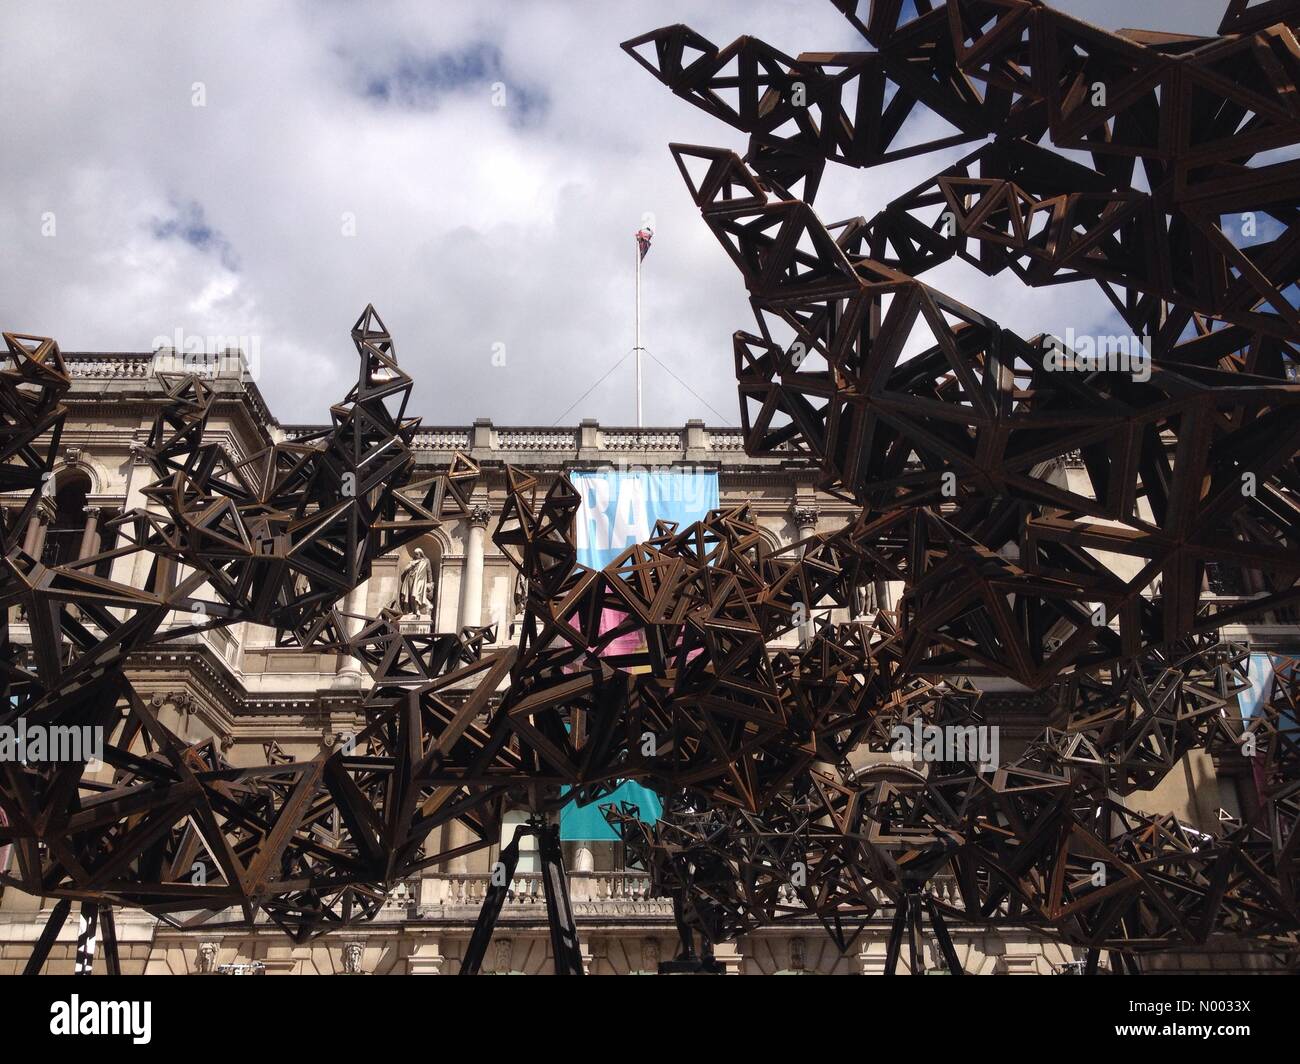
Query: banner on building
[1261,684]
[1262,676]
[619,510]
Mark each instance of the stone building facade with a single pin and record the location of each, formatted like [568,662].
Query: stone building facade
[236,685]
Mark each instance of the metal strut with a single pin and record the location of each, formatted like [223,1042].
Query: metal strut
[112,961]
[87,933]
[687,961]
[908,914]
[58,916]
[96,920]
[566,951]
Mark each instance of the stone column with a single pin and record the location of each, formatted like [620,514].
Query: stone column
[471,583]
[593,951]
[805,519]
[732,956]
[90,535]
[37,526]
[426,957]
[139,476]
[458,835]
[349,671]
[872,956]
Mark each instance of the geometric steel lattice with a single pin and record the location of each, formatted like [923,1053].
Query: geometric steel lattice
[947,430]
[950,430]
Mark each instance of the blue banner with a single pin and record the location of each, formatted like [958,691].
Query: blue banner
[619,509]
[1261,684]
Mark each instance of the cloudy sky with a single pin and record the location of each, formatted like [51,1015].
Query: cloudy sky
[347,153]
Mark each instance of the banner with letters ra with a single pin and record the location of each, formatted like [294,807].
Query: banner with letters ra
[619,509]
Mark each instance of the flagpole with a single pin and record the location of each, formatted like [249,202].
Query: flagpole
[636,245]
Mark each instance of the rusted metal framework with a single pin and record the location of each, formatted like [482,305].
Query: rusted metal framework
[781,798]
[171,826]
[1178,199]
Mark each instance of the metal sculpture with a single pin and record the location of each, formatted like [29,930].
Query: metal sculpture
[786,792]
[951,431]
[169,825]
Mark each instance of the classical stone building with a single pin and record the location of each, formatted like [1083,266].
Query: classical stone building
[236,685]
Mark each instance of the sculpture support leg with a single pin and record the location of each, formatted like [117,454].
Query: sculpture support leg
[943,938]
[565,950]
[87,932]
[493,901]
[687,962]
[896,936]
[112,961]
[58,916]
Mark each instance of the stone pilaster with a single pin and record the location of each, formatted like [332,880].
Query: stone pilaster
[471,590]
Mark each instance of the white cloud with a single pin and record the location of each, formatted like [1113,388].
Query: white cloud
[475,225]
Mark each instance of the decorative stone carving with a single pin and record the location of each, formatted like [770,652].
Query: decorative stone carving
[535,440]
[798,954]
[650,955]
[345,740]
[645,440]
[804,516]
[505,953]
[352,954]
[480,515]
[207,960]
[242,968]
[441,440]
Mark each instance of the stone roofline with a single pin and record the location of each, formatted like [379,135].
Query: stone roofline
[115,376]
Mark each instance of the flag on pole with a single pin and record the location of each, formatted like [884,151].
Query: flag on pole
[643,237]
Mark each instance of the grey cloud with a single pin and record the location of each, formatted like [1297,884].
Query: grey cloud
[474,225]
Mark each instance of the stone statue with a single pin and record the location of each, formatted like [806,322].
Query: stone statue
[520,594]
[865,601]
[416,587]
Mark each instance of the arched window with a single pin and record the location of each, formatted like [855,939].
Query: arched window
[63,540]
[66,533]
